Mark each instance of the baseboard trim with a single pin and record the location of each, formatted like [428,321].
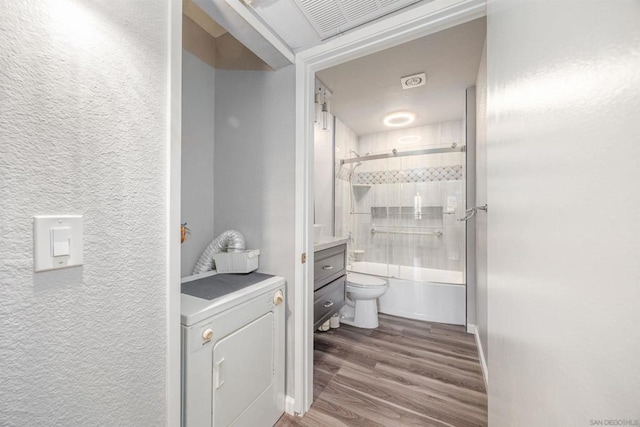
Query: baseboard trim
[289,405]
[424,318]
[473,329]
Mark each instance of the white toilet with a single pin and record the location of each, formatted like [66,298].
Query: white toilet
[361,307]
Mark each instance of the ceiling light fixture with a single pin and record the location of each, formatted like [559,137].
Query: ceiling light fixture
[322,115]
[317,104]
[325,112]
[399,119]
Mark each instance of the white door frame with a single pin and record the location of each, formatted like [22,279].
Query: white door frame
[411,24]
[173,167]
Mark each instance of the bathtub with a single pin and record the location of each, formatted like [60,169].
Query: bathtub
[419,293]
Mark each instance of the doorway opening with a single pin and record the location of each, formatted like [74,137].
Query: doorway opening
[391,32]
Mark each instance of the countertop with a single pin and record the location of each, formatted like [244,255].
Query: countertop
[327,242]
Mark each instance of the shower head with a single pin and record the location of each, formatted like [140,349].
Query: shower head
[358,156]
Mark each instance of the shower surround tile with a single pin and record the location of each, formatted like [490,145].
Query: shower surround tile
[439,173]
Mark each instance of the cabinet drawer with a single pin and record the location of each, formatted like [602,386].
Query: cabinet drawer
[328,301]
[328,265]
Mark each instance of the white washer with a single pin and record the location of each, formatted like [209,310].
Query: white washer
[233,350]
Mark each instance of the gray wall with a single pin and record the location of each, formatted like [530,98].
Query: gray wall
[255,170]
[198,92]
[562,177]
[481,199]
[83,130]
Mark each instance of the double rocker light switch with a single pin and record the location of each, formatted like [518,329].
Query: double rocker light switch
[57,241]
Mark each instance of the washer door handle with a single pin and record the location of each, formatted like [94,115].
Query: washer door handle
[219,380]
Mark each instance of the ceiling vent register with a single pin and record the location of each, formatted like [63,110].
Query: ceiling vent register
[332,17]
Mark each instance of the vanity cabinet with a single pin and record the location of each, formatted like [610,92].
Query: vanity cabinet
[329,283]
[328,300]
[329,265]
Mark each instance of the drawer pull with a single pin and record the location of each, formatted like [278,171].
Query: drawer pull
[328,304]
[328,267]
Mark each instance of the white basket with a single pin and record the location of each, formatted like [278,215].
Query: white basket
[237,262]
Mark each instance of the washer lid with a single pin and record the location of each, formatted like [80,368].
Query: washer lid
[364,281]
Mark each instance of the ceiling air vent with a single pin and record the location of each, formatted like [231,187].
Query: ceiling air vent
[331,17]
[325,15]
[387,3]
[414,80]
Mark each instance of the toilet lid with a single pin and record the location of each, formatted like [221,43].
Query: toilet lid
[364,281]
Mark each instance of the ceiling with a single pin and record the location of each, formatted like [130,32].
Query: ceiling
[368,88]
[212,44]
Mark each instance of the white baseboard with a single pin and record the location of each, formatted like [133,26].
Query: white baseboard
[289,405]
[473,329]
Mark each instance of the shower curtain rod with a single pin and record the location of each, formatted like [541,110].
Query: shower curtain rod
[396,153]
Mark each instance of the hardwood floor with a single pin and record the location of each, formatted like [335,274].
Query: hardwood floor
[404,373]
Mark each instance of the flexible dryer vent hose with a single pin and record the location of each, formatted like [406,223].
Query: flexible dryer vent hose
[229,241]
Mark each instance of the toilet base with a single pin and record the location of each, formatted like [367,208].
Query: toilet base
[363,315]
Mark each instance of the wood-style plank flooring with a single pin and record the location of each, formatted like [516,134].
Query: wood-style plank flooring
[404,373]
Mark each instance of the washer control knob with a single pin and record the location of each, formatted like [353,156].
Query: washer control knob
[207,334]
[278,298]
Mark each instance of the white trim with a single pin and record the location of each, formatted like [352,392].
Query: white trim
[289,405]
[262,29]
[303,315]
[174,130]
[473,329]
[413,23]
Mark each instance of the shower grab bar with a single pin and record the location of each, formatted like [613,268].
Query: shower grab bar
[471,212]
[416,233]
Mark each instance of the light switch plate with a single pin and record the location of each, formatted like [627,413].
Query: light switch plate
[54,234]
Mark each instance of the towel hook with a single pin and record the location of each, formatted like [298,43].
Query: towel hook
[471,212]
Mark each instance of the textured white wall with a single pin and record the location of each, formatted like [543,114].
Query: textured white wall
[198,89]
[255,170]
[83,130]
[481,199]
[562,171]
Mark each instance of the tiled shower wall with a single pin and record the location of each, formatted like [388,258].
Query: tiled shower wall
[404,208]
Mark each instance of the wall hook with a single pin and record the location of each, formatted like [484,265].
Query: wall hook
[471,212]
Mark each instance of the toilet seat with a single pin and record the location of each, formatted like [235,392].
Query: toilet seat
[362,281]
